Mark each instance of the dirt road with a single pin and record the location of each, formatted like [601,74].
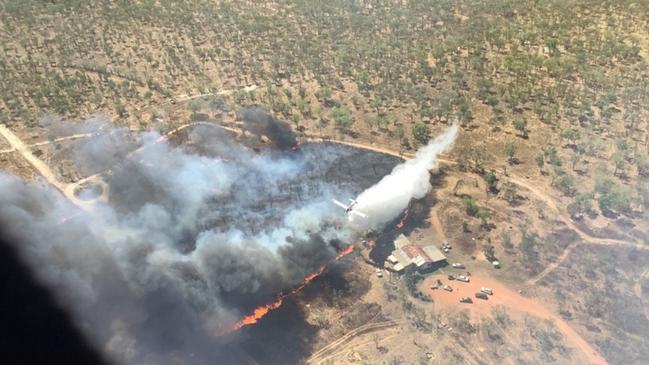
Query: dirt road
[317,357]
[222,93]
[18,145]
[503,297]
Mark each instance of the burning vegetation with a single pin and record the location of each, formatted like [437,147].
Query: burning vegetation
[188,235]
[259,312]
[185,236]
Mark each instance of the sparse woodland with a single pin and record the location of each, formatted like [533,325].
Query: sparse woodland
[564,82]
[557,91]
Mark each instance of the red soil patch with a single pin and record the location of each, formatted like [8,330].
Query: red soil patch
[504,297]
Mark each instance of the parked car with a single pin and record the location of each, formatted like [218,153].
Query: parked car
[451,277]
[466,300]
[447,288]
[481,295]
[458,265]
[487,290]
[462,278]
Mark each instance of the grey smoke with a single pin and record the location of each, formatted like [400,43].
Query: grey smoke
[190,238]
[260,121]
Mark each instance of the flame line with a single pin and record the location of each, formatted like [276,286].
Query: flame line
[403,220]
[259,312]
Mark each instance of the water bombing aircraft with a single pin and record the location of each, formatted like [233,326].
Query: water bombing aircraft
[349,209]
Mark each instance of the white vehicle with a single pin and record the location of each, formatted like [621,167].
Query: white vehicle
[349,209]
[458,265]
[487,290]
[462,278]
[379,272]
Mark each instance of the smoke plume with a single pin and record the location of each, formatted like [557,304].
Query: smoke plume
[259,121]
[191,236]
[407,181]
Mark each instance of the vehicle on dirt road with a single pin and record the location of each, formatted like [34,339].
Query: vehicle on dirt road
[458,265]
[466,300]
[481,295]
[462,278]
[447,288]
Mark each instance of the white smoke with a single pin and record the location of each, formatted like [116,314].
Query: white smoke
[191,236]
[409,180]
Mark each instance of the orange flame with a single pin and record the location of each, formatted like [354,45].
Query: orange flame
[403,220]
[259,312]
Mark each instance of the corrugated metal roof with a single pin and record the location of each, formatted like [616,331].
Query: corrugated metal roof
[415,252]
[401,241]
[434,253]
[406,254]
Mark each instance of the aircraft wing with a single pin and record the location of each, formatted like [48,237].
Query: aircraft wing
[342,205]
[360,214]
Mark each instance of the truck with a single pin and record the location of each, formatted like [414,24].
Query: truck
[487,290]
[481,295]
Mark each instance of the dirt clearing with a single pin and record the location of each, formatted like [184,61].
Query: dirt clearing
[504,297]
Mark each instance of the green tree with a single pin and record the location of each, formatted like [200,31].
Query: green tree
[342,118]
[584,202]
[521,127]
[362,78]
[619,161]
[506,240]
[322,123]
[376,103]
[484,216]
[491,179]
[324,93]
[421,133]
[470,206]
[617,200]
[642,163]
[509,192]
[566,185]
[401,135]
[570,134]
[540,161]
[553,157]
[371,122]
[510,151]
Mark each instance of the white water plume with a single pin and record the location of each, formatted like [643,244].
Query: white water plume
[408,180]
